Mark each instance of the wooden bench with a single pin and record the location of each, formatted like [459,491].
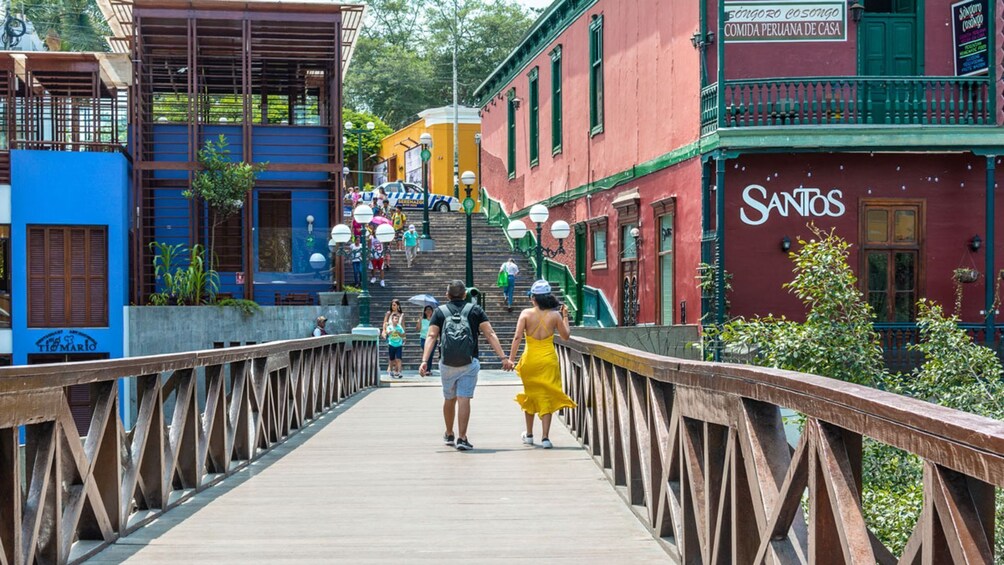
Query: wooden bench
[294,299]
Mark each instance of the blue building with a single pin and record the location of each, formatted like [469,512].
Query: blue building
[96,150]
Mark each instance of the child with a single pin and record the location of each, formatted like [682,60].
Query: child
[410,244]
[423,329]
[395,344]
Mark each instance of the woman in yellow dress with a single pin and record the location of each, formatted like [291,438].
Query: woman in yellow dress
[538,367]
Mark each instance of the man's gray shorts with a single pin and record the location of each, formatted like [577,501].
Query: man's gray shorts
[459,381]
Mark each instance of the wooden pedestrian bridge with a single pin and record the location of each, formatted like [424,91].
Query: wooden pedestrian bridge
[290,452]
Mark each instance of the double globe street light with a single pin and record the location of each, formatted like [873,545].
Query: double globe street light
[342,234]
[559,230]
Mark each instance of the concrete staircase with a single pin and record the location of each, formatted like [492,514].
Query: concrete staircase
[431,271]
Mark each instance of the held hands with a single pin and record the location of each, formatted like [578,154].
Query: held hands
[507,364]
[563,311]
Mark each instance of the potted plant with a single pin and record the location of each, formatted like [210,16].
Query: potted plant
[965,275]
[960,276]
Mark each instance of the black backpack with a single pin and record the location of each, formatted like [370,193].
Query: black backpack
[456,341]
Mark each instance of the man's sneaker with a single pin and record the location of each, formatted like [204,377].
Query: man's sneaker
[383,283]
[546,443]
[527,439]
[372,280]
[448,439]
[463,444]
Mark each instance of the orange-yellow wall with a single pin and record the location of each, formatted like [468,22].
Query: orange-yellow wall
[441,164]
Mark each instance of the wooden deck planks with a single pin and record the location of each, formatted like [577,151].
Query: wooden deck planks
[372,483]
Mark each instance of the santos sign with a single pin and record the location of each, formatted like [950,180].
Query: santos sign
[806,202]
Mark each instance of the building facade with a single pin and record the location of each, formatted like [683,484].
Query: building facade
[401,152]
[721,138]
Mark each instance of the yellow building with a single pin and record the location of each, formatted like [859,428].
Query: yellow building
[400,152]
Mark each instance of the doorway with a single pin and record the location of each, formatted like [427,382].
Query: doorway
[78,396]
[888,45]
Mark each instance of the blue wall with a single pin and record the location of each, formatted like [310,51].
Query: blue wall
[69,188]
[272,144]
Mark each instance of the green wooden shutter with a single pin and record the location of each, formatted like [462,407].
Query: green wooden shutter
[556,100]
[511,163]
[534,150]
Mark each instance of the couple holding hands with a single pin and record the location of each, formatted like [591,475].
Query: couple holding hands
[456,326]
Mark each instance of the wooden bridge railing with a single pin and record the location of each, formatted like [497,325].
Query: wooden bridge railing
[201,416]
[701,453]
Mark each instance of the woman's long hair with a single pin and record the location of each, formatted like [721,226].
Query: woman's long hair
[429,311]
[545,301]
[399,309]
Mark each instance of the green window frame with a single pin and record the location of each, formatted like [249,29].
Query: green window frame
[556,79]
[534,150]
[596,75]
[511,104]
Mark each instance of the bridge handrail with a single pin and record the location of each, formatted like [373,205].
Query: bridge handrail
[670,431]
[201,416]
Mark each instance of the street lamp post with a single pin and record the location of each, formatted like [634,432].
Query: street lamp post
[559,230]
[468,179]
[426,243]
[350,128]
[340,235]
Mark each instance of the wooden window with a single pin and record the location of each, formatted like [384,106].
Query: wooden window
[596,75]
[556,101]
[275,232]
[5,302]
[229,243]
[598,240]
[67,276]
[511,104]
[534,117]
[892,236]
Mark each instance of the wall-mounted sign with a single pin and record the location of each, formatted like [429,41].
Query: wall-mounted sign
[66,341]
[805,202]
[970,33]
[413,165]
[752,21]
[380,173]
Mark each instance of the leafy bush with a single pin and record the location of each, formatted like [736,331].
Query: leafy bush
[190,284]
[246,307]
[837,339]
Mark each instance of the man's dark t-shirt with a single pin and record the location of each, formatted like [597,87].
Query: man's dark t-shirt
[476,317]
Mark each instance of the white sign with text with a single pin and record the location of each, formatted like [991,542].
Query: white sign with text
[805,202]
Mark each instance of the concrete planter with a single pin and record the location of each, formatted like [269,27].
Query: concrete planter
[169,329]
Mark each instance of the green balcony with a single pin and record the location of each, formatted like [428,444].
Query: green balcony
[847,101]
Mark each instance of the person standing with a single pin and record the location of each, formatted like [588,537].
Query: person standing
[456,327]
[511,269]
[423,327]
[398,220]
[538,368]
[357,263]
[319,324]
[376,260]
[410,244]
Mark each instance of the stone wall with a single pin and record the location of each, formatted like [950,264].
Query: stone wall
[169,329]
[673,341]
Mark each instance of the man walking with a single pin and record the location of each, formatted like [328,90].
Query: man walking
[410,244]
[511,269]
[455,327]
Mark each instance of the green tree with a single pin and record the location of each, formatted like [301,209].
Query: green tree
[390,81]
[396,22]
[837,339]
[486,33]
[79,24]
[223,184]
[371,139]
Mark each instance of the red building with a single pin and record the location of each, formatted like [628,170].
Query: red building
[721,137]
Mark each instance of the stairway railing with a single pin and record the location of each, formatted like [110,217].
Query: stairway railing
[700,452]
[555,272]
[201,416]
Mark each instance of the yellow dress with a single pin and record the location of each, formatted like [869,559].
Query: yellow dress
[538,369]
